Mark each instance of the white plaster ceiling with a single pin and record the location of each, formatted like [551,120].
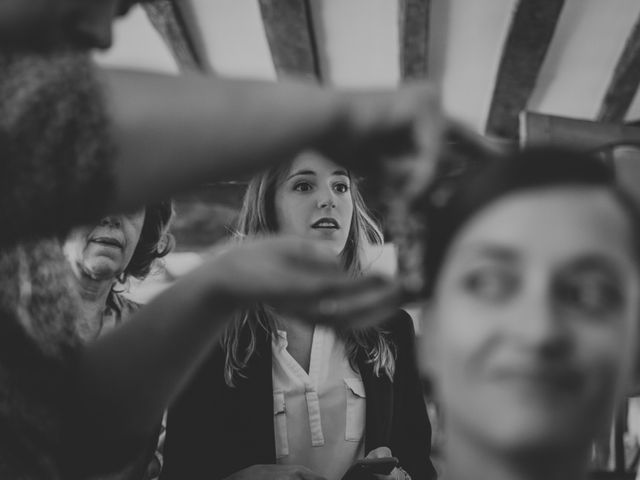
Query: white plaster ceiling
[358,47]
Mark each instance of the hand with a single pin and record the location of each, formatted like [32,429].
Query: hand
[301,278]
[393,137]
[275,472]
[384,452]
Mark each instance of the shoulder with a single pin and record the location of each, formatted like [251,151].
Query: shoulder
[122,306]
[400,327]
[130,305]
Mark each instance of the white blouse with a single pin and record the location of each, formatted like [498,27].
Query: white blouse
[319,417]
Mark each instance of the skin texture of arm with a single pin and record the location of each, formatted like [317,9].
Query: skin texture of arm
[177,132]
[120,140]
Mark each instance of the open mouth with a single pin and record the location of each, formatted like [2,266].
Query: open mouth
[108,241]
[326,223]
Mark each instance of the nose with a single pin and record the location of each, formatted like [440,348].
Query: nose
[91,24]
[540,326]
[326,199]
[110,221]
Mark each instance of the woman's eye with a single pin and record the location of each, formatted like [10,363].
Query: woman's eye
[490,284]
[591,296]
[302,187]
[341,187]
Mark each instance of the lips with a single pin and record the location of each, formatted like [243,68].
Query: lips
[326,223]
[556,378]
[108,241]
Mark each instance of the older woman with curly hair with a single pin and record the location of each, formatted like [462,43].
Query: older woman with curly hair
[105,255]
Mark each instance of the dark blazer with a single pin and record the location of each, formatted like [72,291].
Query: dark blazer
[214,430]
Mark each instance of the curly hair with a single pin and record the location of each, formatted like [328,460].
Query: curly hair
[155,241]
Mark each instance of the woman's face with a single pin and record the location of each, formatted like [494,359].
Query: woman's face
[103,251]
[531,330]
[314,201]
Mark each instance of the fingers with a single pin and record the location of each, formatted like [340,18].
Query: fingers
[365,309]
[380,452]
[475,143]
[379,125]
[352,303]
[275,472]
[343,285]
[396,474]
[391,476]
[304,279]
[304,473]
[310,254]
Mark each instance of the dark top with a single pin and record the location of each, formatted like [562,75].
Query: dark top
[38,309]
[56,148]
[214,430]
[54,171]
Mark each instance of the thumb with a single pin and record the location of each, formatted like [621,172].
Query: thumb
[380,452]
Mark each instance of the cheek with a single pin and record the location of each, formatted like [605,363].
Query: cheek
[605,352]
[133,234]
[347,207]
[346,214]
[460,337]
[128,254]
[292,216]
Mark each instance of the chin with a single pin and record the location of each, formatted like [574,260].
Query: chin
[336,246]
[102,269]
[531,431]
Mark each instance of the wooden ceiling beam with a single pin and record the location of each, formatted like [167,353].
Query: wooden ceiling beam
[288,25]
[542,129]
[414,39]
[624,82]
[169,19]
[525,48]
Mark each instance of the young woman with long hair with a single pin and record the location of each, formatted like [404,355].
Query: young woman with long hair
[284,399]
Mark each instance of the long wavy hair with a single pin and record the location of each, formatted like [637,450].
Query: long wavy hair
[258,218]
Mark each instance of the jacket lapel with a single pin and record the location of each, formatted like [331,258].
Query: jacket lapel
[253,398]
[379,391]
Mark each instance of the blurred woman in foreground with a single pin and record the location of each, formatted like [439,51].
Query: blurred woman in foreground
[533,304]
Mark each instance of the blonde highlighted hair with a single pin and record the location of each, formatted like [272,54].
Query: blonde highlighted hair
[258,217]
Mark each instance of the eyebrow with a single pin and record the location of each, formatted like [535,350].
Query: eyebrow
[496,252]
[582,262]
[311,172]
[594,262]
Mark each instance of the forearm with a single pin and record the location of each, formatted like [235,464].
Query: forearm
[173,132]
[125,380]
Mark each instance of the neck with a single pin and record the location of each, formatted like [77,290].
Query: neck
[94,291]
[467,459]
[93,295]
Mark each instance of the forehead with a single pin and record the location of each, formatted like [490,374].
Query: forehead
[554,223]
[314,162]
